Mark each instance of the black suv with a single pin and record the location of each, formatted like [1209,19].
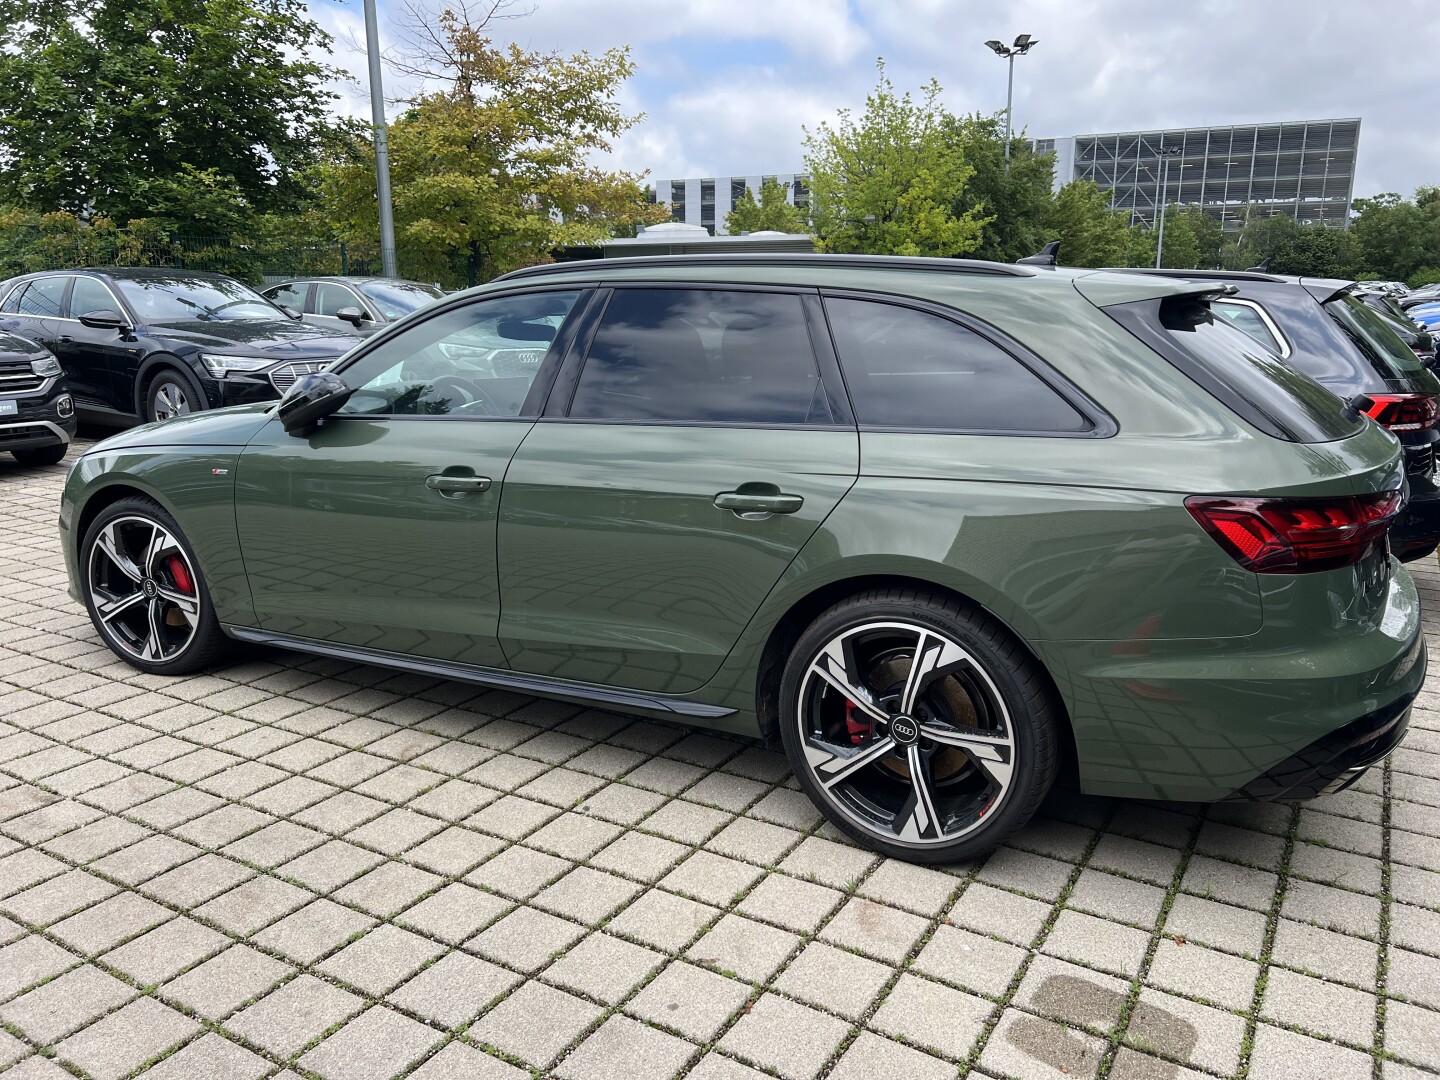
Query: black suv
[149,344]
[37,413]
[1320,327]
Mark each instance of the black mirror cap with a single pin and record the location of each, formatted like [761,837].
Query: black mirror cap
[104,319]
[351,315]
[290,311]
[309,400]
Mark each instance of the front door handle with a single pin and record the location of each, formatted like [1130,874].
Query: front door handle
[745,503]
[454,486]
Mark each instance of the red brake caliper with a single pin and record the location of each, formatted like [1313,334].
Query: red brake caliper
[858,728]
[180,575]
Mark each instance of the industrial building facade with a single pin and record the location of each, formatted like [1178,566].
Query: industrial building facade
[1305,169]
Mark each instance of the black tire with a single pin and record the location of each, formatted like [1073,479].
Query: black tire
[170,387]
[981,676]
[186,641]
[41,455]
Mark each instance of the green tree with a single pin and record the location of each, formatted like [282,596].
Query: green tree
[194,111]
[1090,233]
[773,212]
[1017,200]
[1182,247]
[888,182]
[496,169]
[1394,237]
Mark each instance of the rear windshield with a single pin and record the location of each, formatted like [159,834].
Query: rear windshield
[1375,337]
[1249,379]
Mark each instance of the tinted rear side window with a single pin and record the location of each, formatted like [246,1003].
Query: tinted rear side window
[1253,382]
[702,356]
[1374,337]
[909,369]
[1247,318]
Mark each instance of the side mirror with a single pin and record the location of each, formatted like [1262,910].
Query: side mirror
[309,400]
[353,315]
[104,319]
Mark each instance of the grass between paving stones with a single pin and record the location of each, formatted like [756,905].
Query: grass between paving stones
[1272,924]
[1382,963]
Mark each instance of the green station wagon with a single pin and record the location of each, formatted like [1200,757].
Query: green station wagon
[944,530]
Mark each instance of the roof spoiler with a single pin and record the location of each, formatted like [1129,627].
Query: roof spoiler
[1262,267]
[1327,289]
[1049,256]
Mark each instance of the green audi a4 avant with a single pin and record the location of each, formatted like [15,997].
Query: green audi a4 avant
[944,530]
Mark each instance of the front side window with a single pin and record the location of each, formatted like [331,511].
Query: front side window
[479,360]
[331,298]
[159,298]
[397,298]
[909,369]
[291,296]
[89,295]
[43,297]
[12,302]
[702,356]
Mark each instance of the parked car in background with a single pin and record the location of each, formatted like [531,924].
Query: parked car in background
[1426,294]
[151,343]
[1427,315]
[357,304]
[1319,327]
[1412,333]
[941,529]
[37,413]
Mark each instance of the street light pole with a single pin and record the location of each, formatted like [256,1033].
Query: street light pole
[1167,154]
[1023,44]
[382,149]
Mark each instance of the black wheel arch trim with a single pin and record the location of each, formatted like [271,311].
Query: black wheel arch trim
[539,685]
[146,371]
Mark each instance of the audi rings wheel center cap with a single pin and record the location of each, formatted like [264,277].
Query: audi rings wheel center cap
[904,730]
[149,588]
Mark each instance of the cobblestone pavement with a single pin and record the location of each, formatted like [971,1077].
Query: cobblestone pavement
[302,867]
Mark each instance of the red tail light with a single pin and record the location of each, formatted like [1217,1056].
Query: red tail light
[1297,536]
[1404,412]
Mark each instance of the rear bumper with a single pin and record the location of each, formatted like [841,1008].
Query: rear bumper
[1335,761]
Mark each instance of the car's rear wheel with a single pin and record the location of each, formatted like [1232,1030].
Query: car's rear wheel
[918,726]
[144,590]
[170,394]
[41,455]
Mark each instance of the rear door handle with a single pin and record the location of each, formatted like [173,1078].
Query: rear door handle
[452,486]
[744,503]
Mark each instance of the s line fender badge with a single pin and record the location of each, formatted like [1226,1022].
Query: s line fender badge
[219,472]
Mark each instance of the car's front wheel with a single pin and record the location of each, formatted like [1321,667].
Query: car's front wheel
[918,726]
[171,394]
[144,590]
[41,455]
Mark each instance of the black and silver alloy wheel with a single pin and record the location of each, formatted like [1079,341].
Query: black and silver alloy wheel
[926,736]
[143,589]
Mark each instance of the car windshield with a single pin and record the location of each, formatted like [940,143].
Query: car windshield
[169,298]
[396,298]
[1375,337]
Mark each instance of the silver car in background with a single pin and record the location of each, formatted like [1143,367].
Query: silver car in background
[360,305]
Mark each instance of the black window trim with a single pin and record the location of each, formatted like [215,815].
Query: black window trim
[558,408]
[1102,424]
[533,406]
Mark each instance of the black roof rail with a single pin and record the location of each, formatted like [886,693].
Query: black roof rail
[877,262]
[1049,255]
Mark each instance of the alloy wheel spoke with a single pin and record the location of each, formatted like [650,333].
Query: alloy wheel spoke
[111,608]
[154,648]
[831,768]
[160,542]
[831,666]
[188,606]
[934,656]
[922,820]
[992,754]
[109,543]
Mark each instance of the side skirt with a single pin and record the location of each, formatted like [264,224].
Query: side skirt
[585,693]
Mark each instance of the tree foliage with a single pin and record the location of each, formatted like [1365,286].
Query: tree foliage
[197,112]
[1012,203]
[495,166]
[889,181]
[1090,233]
[773,212]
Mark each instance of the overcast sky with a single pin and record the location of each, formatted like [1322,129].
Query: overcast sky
[727,85]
